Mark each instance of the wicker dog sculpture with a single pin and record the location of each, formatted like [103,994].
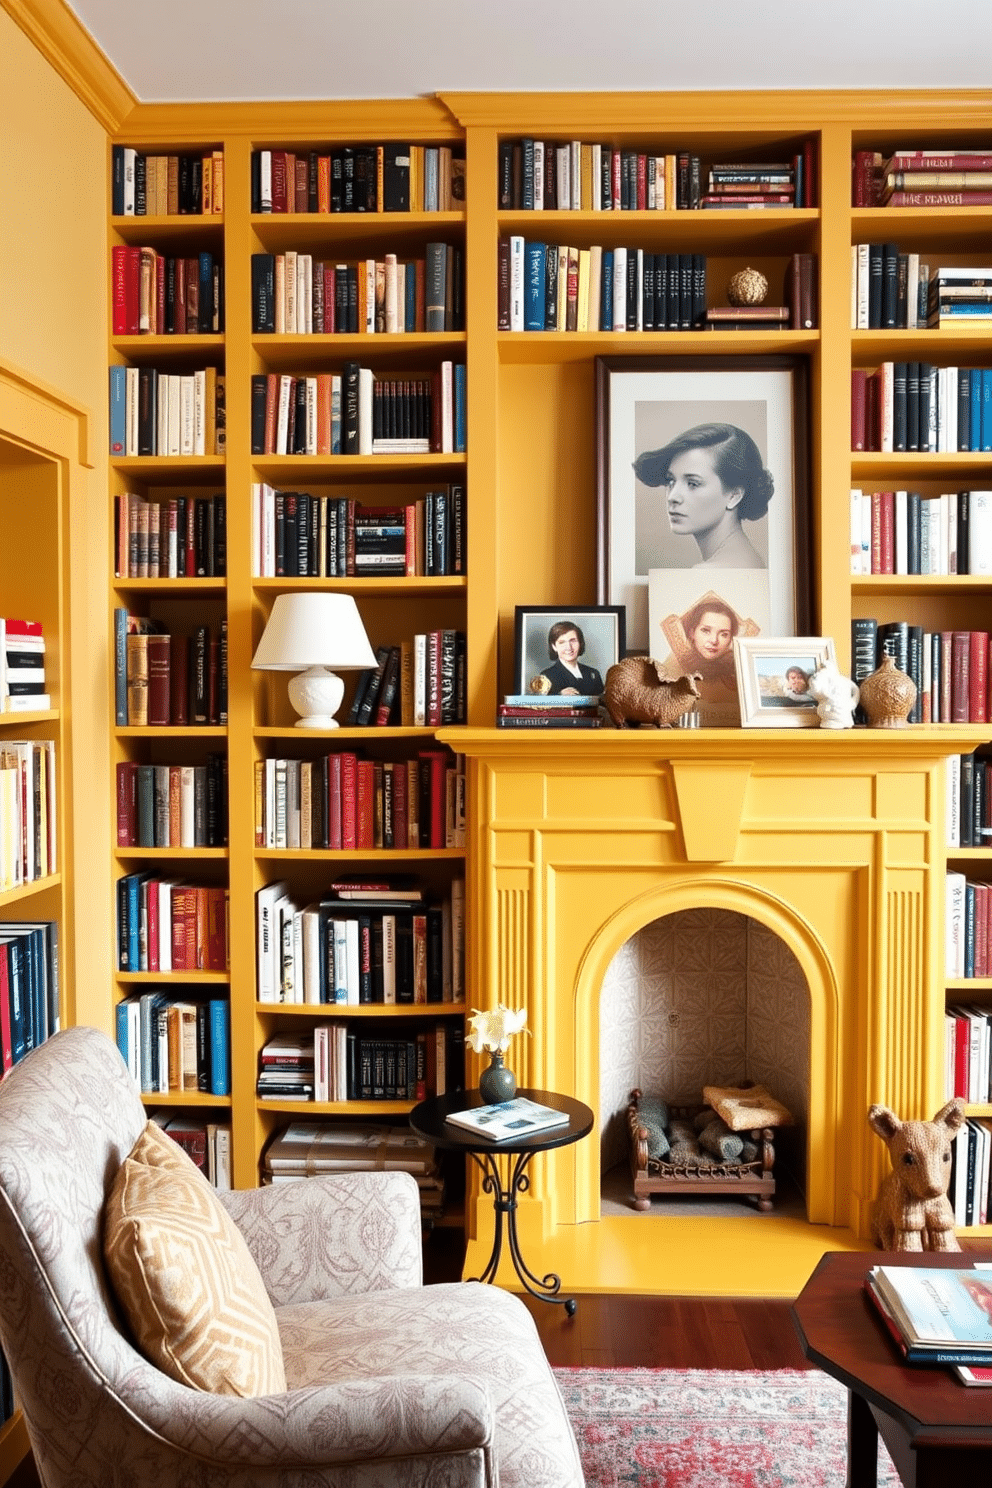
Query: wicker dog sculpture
[912,1211]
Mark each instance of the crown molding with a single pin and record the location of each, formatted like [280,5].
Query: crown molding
[74,55]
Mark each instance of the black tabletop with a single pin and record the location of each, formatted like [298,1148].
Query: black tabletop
[428,1119]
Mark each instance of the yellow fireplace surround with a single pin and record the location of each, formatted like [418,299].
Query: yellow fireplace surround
[832,839]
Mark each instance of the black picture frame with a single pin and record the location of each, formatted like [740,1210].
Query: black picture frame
[642,404]
[602,629]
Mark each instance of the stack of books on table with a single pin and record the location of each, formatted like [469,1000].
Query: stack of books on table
[499,1122]
[938,1316]
[548,710]
[307,1149]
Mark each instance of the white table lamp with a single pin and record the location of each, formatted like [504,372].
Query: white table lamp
[316,635]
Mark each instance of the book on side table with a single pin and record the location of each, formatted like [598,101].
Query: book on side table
[936,1316]
[505,1119]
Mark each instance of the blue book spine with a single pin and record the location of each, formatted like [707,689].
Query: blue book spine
[117,193]
[606,292]
[460,409]
[535,260]
[220,1037]
[134,921]
[120,667]
[15,992]
[975,411]
[410,309]
[118,410]
[206,301]
[986,436]
[121,1031]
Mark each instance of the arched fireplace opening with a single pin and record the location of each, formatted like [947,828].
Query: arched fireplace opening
[705,996]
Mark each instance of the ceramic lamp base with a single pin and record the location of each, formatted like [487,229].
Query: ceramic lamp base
[316,695]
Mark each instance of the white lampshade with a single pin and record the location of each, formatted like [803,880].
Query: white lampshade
[315,635]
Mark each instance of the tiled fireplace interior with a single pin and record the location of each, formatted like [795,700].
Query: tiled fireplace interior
[703,996]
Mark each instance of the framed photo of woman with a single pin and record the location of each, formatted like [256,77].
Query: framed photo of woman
[566,653]
[703,485]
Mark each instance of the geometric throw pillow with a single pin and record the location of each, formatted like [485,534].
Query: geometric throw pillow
[186,1281]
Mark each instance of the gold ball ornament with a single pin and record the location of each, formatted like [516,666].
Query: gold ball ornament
[747,287]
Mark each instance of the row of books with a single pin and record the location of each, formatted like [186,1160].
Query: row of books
[28,811]
[162,677]
[421,682]
[366,949]
[22,666]
[172,805]
[580,176]
[159,294]
[357,412]
[299,534]
[968,951]
[391,177]
[144,185]
[30,987]
[968,813]
[917,406]
[971,1168]
[170,537]
[205,1143]
[294,294]
[921,178]
[155,412]
[306,1149]
[950,668]
[338,1062]
[968,1029]
[171,1043]
[169,925]
[556,287]
[905,532]
[341,800]
[889,288]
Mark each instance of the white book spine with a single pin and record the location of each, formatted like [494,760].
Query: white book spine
[516,282]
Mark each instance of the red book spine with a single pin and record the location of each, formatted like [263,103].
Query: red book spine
[6,1035]
[365,805]
[981,930]
[118,272]
[978,694]
[859,394]
[159,679]
[189,538]
[154,929]
[887,515]
[349,801]
[127,803]
[946,668]
[177,906]
[939,199]
[196,928]
[433,678]
[217,942]
[960,676]
[159,295]
[962,1055]
[642,182]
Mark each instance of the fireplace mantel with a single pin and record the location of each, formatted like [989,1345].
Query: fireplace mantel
[834,839]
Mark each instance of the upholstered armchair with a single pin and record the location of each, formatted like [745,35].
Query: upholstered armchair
[388,1382]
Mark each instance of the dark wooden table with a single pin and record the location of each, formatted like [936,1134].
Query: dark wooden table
[428,1119]
[938,1431]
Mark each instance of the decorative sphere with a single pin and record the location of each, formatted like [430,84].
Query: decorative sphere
[747,287]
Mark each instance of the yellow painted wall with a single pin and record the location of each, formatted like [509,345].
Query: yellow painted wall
[53,324]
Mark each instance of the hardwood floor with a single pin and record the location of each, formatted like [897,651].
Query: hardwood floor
[615,1331]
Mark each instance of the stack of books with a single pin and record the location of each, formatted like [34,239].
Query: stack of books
[307,1149]
[22,667]
[548,710]
[937,1316]
[960,296]
[936,178]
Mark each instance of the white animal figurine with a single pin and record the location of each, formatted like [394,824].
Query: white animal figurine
[836,696]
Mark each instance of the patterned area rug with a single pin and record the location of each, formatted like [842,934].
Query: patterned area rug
[711,1428]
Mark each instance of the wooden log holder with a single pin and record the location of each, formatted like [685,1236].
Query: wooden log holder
[703,1174]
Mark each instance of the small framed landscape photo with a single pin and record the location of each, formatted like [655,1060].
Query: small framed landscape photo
[567,653]
[773,677]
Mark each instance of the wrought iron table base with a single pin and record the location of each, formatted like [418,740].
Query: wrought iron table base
[545,1288]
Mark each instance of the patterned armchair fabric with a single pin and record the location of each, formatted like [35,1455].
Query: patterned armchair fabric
[390,1384]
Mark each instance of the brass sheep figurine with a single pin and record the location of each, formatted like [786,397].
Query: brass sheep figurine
[912,1210]
[636,692]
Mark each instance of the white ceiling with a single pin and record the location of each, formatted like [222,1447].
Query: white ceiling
[184,50]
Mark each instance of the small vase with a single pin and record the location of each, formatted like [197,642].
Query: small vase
[887,696]
[497,1083]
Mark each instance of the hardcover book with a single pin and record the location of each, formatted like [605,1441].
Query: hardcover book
[507,1119]
[943,1316]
